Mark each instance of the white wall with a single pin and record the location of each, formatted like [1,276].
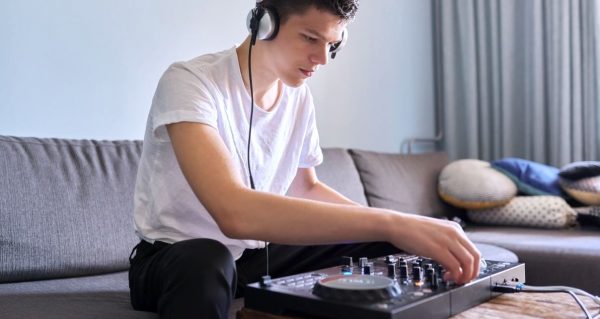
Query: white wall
[88,69]
[379,90]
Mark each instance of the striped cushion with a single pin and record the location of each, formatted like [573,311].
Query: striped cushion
[585,190]
[578,170]
[474,184]
[528,211]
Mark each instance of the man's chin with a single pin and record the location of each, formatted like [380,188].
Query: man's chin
[293,82]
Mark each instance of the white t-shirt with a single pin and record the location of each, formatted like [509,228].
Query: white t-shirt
[209,89]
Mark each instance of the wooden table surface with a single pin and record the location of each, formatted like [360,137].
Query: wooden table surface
[521,305]
[531,305]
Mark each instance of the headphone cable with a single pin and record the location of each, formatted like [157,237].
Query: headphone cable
[266,280]
[251,112]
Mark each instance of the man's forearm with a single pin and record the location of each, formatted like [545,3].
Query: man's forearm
[321,192]
[303,221]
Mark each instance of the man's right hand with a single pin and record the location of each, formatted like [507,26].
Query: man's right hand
[442,240]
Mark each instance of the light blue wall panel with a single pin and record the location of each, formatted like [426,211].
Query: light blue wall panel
[88,69]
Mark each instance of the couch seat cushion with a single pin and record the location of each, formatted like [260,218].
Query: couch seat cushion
[102,296]
[552,257]
[491,252]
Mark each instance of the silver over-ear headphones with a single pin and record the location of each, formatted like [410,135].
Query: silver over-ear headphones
[263,24]
[337,47]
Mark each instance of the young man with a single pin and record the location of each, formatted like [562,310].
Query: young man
[204,229]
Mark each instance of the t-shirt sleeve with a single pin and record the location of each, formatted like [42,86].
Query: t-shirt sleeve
[181,96]
[311,154]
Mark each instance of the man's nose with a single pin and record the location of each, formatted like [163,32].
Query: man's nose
[320,56]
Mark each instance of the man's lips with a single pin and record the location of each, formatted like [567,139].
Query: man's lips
[307,73]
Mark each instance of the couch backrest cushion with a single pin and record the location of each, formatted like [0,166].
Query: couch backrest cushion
[406,183]
[339,172]
[65,206]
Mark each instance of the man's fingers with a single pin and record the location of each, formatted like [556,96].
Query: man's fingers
[467,255]
[466,262]
[475,253]
[450,247]
[451,264]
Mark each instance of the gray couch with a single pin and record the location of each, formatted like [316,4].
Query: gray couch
[66,226]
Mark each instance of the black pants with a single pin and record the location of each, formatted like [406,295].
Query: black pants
[198,278]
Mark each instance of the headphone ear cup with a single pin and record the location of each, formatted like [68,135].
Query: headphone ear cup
[268,22]
[340,45]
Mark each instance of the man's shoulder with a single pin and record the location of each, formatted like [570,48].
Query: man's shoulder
[216,59]
[208,65]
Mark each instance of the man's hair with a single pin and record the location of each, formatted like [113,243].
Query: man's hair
[344,9]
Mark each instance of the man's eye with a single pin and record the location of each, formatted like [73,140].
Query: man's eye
[309,38]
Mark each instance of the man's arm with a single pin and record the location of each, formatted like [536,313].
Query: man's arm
[307,185]
[244,213]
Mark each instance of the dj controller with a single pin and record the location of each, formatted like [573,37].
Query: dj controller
[394,286]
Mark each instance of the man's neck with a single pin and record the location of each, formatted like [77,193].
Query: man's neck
[265,84]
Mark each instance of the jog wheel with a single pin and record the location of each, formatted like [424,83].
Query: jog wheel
[356,288]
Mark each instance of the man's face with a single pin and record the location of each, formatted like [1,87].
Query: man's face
[302,44]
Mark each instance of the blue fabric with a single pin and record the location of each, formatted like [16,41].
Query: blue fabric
[531,178]
[579,170]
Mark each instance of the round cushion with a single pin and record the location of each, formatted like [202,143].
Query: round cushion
[474,184]
[528,211]
[585,190]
